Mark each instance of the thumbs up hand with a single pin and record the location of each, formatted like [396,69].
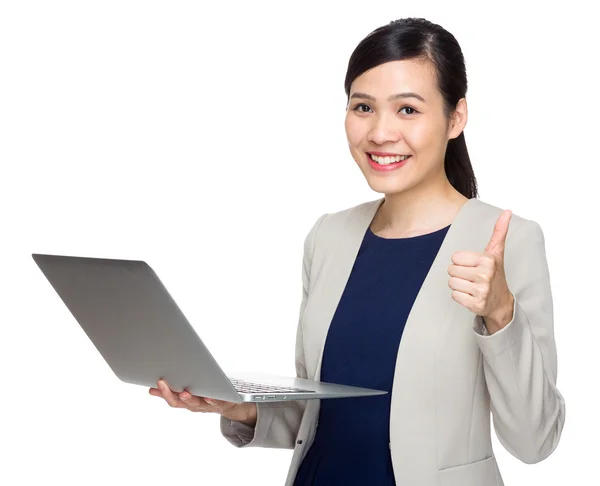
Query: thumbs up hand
[478,280]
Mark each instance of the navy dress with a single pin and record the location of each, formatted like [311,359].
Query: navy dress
[351,445]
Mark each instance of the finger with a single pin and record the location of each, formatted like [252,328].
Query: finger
[155,392]
[460,271]
[221,405]
[478,274]
[464,299]
[462,285]
[168,395]
[214,402]
[197,405]
[498,239]
[187,397]
[195,402]
[467,258]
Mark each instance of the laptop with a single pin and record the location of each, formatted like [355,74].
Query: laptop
[143,336]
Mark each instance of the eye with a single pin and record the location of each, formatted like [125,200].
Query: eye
[408,108]
[357,108]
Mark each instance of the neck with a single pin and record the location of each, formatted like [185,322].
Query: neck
[418,210]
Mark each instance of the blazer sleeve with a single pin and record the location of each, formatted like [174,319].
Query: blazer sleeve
[520,360]
[278,422]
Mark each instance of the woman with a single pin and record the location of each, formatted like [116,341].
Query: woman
[429,293]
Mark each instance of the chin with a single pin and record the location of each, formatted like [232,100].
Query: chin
[386,185]
[396,181]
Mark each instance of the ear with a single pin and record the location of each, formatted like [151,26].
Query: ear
[459,119]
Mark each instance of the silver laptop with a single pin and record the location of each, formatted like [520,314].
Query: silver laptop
[137,327]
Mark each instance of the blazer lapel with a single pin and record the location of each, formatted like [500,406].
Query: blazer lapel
[339,266]
[416,401]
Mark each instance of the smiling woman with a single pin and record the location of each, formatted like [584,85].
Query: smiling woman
[428,293]
[405,122]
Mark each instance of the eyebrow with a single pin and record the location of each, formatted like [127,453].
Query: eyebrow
[391,98]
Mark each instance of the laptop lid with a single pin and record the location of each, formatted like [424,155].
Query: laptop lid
[135,324]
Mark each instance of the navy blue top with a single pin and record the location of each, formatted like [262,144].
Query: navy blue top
[351,445]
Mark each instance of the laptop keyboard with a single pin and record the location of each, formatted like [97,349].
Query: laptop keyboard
[243,386]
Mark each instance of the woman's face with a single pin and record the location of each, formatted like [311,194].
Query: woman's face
[395,109]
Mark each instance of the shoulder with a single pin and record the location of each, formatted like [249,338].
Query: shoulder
[524,234]
[483,215]
[340,226]
[338,223]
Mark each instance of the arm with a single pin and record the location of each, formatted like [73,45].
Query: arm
[520,360]
[277,423]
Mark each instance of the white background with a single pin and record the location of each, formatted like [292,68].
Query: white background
[206,139]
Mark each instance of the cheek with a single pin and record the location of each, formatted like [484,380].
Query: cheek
[425,137]
[354,131]
[420,135]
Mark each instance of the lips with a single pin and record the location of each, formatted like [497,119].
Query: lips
[387,167]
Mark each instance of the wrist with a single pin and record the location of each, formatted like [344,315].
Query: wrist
[502,319]
[251,415]
[245,413]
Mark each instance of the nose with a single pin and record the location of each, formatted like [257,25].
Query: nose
[384,130]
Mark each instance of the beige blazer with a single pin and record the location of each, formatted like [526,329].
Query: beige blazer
[450,374]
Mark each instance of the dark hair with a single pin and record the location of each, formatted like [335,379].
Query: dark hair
[417,38]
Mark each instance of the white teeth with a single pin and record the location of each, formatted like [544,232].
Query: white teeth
[388,160]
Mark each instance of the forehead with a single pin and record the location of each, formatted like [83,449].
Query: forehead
[398,76]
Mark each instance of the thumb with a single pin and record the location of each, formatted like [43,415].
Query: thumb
[498,239]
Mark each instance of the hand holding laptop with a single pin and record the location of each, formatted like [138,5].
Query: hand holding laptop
[238,412]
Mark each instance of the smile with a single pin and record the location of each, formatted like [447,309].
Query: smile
[388,160]
[387,163]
